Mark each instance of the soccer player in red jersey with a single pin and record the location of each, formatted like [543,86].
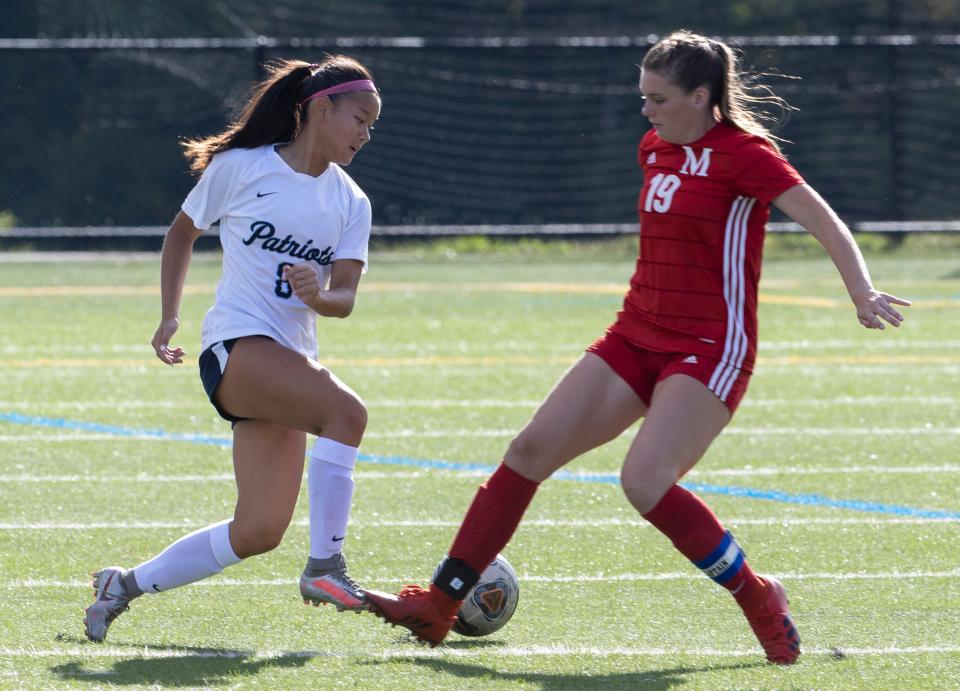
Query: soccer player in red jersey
[681,351]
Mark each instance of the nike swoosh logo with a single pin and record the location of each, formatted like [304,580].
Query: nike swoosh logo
[337,539]
[156,587]
[264,194]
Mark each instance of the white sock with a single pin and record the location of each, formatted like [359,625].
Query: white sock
[193,557]
[330,487]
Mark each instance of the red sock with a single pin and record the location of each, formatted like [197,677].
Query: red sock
[492,518]
[697,533]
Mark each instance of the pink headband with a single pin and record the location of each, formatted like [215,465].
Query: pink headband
[356,85]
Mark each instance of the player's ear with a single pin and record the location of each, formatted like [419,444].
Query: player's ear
[701,97]
[321,106]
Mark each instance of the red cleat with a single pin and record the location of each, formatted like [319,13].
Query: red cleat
[429,614]
[774,627]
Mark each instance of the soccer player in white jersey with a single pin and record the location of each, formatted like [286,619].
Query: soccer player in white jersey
[294,229]
[681,351]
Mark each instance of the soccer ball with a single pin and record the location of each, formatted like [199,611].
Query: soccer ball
[491,602]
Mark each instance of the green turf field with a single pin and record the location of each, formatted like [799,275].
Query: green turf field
[840,474]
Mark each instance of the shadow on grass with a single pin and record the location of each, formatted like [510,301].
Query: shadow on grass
[170,665]
[478,675]
[469,644]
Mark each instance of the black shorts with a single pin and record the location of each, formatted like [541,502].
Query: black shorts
[213,362]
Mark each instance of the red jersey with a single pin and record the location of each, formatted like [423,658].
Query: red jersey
[703,213]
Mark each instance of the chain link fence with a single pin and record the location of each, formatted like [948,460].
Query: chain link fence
[476,129]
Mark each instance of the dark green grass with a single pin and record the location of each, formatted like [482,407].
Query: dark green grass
[449,375]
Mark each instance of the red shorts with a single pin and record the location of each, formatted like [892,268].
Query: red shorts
[642,369]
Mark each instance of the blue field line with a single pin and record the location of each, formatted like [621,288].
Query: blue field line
[703,488]
[602,478]
[61,423]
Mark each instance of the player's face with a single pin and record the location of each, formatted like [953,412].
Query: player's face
[347,122]
[677,116]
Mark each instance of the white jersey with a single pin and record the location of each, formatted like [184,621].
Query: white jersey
[270,217]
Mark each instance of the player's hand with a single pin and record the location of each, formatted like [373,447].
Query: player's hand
[874,308]
[304,281]
[161,342]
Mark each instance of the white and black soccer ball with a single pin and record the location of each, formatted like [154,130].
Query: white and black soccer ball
[491,602]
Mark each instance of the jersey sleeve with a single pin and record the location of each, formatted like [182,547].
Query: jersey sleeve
[356,235]
[763,173]
[207,201]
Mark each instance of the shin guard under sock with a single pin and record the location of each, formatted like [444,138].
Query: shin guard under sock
[488,526]
[697,533]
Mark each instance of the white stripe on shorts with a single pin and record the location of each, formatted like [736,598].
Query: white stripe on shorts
[221,353]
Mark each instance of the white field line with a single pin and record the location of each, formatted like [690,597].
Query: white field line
[440,403]
[835,470]
[805,346]
[388,581]
[849,344]
[830,431]
[927,430]
[26,370]
[746,431]
[192,524]
[837,370]
[413,651]
[216,477]
[80,435]
[827,402]
[945,468]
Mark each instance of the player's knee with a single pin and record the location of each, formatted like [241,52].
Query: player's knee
[529,454]
[344,419]
[643,496]
[350,417]
[645,485]
[256,539]
[355,415]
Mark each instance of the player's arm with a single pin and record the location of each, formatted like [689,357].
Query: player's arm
[335,301]
[806,207]
[174,262]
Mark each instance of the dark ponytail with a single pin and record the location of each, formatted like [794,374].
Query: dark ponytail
[274,113]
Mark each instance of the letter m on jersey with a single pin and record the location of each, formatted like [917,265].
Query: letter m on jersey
[694,165]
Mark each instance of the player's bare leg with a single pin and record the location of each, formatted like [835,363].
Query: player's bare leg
[589,406]
[299,393]
[683,420]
